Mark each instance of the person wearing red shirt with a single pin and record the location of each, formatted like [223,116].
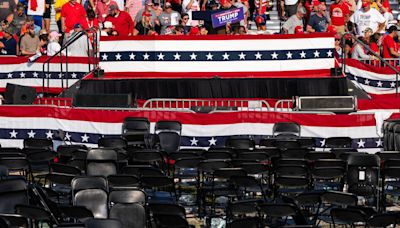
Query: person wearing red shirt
[121,20]
[71,14]
[389,45]
[340,14]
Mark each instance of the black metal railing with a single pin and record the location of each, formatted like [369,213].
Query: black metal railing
[383,62]
[92,56]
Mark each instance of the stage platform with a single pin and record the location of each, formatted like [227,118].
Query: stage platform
[217,87]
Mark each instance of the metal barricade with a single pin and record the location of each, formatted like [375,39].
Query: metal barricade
[216,104]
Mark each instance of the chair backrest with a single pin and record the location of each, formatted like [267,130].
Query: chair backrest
[136,124]
[338,142]
[278,209]
[127,196]
[286,128]
[104,169]
[88,182]
[12,192]
[363,174]
[38,143]
[93,199]
[122,181]
[240,143]
[174,126]
[170,141]
[103,223]
[67,150]
[339,198]
[315,155]
[166,208]
[102,154]
[136,218]
[117,143]
[244,222]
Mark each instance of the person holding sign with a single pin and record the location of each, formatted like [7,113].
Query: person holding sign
[168,18]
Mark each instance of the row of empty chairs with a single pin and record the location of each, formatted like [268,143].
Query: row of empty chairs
[277,181]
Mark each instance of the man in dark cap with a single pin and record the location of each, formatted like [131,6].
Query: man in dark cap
[8,45]
[121,20]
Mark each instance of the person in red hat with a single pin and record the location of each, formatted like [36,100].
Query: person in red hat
[340,14]
[194,31]
[121,20]
[144,26]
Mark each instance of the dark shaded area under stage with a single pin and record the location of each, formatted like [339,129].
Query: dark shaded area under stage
[218,88]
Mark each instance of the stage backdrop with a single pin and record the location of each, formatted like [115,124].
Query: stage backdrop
[274,56]
[18,70]
[199,130]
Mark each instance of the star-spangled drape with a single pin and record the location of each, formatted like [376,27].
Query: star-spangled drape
[256,55]
[371,82]
[187,141]
[41,74]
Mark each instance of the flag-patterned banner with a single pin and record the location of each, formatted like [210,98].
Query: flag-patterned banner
[277,56]
[18,70]
[372,79]
[198,130]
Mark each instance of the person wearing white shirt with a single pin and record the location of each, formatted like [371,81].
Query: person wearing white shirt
[368,17]
[53,46]
[188,6]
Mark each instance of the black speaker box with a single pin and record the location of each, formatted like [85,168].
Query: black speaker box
[103,100]
[17,94]
[337,104]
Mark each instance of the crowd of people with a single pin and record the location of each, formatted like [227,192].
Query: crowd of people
[25,24]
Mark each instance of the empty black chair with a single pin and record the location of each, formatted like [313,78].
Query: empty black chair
[240,143]
[286,129]
[338,142]
[149,156]
[123,181]
[12,193]
[248,186]
[335,199]
[93,199]
[14,220]
[169,215]
[279,210]
[316,155]
[169,135]
[136,131]
[390,179]
[348,216]
[101,162]
[296,153]
[88,182]
[115,143]
[363,172]
[32,143]
[242,208]
[128,207]
[79,213]
[35,214]
[250,222]
[306,142]
[383,219]
[284,144]
[103,223]
[64,152]
[128,196]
